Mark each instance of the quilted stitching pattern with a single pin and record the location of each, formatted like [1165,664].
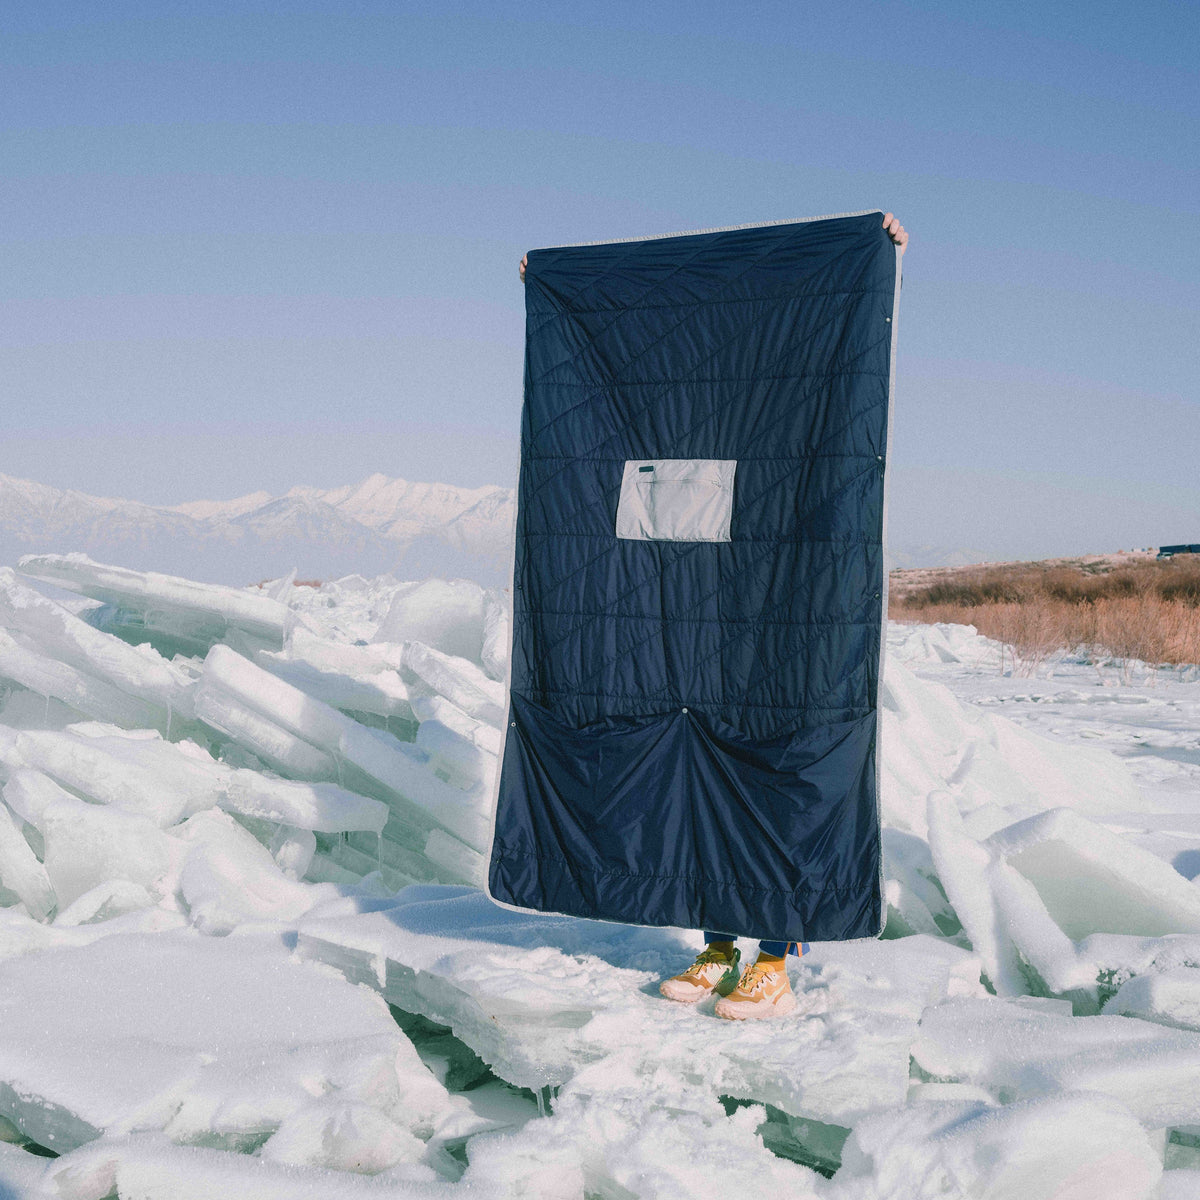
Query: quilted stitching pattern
[694,722]
[790,385]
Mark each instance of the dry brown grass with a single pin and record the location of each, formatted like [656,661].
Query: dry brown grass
[1147,611]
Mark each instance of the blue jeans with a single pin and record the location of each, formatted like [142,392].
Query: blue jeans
[777,949]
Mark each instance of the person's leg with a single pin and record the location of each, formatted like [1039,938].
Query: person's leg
[775,951]
[780,950]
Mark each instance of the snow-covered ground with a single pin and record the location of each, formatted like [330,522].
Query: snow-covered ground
[243,948]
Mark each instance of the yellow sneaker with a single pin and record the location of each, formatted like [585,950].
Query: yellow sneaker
[764,990]
[713,971]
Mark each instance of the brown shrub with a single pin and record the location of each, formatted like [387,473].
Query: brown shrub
[1034,630]
[1175,579]
[1182,585]
[1142,626]
[1148,628]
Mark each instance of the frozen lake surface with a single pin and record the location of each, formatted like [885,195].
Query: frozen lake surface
[243,946]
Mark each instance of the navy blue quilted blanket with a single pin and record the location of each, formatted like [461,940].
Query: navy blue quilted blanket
[699,583]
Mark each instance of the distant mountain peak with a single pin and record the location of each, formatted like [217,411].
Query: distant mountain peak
[371,527]
[204,510]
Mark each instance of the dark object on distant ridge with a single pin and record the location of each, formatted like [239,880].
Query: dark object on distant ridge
[1171,551]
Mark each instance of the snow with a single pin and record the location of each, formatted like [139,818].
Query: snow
[199,613]
[238,824]
[1074,1148]
[142,775]
[1020,1051]
[617,1131]
[228,877]
[457,757]
[218,1041]
[437,708]
[446,616]
[302,736]
[20,1173]
[1171,997]
[541,997]
[20,870]
[1123,888]
[320,806]
[50,630]
[150,1167]
[89,844]
[459,681]
[85,693]
[384,694]
[269,741]
[1179,1185]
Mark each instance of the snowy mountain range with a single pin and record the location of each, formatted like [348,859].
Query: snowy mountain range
[379,525]
[370,528]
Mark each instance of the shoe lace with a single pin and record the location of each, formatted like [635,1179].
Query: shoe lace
[753,977]
[705,957]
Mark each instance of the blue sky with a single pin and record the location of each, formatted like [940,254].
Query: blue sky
[248,245]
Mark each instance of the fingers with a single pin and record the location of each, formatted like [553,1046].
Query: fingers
[895,231]
[524,264]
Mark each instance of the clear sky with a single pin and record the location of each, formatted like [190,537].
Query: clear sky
[249,245]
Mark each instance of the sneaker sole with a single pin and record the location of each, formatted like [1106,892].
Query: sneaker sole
[692,995]
[757,1012]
